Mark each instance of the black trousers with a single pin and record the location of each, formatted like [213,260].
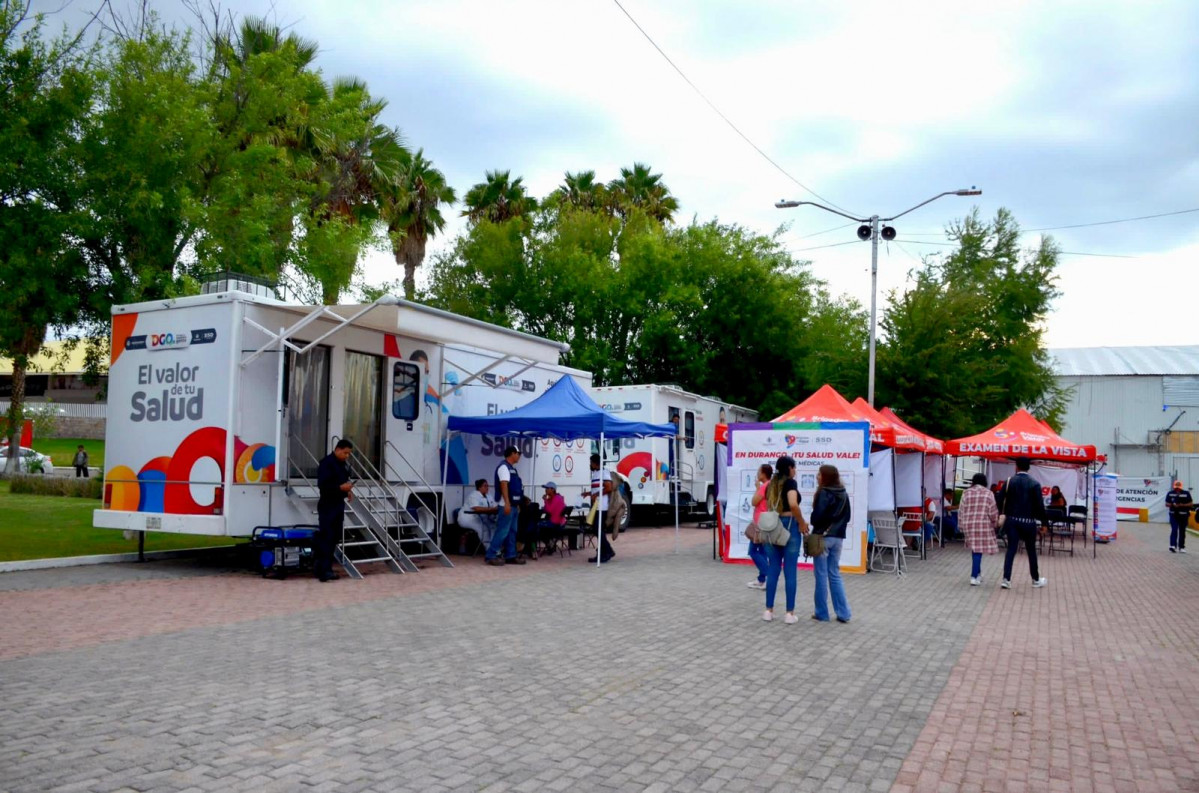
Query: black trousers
[81,470]
[1019,531]
[327,538]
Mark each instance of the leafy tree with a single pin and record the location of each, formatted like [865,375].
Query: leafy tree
[963,346]
[46,91]
[497,199]
[412,210]
[638,188]
[581,191]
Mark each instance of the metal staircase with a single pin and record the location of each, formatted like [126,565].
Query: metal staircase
[361,543]
[392,523]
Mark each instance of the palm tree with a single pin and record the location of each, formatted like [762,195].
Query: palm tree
[412,211]
[581,191]
[497,199]
[639,188]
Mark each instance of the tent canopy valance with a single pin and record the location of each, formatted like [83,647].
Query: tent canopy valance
[886,432]
[931,445]
[1021,435]
[564,412]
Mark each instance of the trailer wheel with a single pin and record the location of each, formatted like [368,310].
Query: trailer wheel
[710,505]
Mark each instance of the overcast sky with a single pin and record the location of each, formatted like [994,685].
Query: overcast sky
[1064,112]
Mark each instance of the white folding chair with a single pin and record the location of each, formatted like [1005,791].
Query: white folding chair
[887,537]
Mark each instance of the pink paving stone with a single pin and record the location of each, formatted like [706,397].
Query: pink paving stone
[1082,662]
[49,620]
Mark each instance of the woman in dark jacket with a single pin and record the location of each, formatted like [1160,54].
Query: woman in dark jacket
[830,517]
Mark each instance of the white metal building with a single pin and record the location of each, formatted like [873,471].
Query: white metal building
[1137,405]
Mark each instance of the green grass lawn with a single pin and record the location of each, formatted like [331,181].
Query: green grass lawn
[40,527]
[62,450]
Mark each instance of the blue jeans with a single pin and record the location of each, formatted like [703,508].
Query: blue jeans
[1178,530]
[505,534]
[783,559]
[976,565]
[757,553]
[949,526]
[827,567]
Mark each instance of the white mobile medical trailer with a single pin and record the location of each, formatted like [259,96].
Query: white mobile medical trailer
[647,462]
[221,405]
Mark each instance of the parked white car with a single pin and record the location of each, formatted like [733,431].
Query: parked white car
[30,460]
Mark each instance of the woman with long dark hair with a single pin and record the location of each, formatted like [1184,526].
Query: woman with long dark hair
[757,551]
[830,517]
[782,494]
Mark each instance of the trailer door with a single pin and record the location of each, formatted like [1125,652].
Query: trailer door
[307,410]
[363,420]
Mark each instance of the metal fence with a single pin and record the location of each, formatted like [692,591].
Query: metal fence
[81,411]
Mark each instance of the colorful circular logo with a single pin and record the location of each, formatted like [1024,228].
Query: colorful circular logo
[557,463]
[570,464]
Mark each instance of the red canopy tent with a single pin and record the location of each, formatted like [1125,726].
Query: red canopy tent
[931,445]
[1021,435]
[825,404]
[889,433]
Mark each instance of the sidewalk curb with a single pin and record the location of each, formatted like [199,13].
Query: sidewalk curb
[110,558]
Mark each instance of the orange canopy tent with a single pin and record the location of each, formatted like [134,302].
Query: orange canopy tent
[887,432]
[1021,435]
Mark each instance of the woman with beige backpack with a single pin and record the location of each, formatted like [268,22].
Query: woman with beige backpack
[783,544]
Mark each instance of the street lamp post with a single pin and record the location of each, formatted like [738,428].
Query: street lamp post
[871,232]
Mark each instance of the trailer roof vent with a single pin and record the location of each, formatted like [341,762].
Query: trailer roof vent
[229,281]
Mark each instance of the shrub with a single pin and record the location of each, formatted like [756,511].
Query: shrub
[58,486]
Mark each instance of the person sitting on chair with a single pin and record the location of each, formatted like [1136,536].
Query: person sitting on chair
[553,505]
[478,513]
[1056,499]
[949,522]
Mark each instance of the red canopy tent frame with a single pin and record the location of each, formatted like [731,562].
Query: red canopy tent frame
[931,446]
[1024,435]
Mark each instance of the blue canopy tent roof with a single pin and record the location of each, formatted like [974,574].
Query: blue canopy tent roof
[564,412]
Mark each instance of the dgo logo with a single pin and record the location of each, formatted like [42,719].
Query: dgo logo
[1004,434]
[169,340]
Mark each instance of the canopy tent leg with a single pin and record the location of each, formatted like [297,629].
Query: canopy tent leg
[599,515]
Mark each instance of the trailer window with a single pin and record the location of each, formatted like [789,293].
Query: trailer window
[689,429]
[405,391]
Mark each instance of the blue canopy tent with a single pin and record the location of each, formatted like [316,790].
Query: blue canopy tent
[564,412]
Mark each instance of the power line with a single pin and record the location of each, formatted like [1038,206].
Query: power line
[818,247]
[1073,226]
[1064,253]
[723,117]
[1121,220]
[826,231]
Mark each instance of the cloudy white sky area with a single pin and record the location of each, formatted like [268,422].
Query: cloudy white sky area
[1064,112]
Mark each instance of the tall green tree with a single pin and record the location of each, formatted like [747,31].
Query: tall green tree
[46,93]
[639,188]
[497,199]
[581,191]
[412,203]
[963,346]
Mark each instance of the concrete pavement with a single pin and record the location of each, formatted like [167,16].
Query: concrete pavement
[652,673]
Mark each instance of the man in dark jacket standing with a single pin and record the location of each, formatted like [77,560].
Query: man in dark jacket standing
[333,482]
[1178,501]
[1024,511]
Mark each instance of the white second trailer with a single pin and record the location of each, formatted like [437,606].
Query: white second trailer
[651,464]
[221,405]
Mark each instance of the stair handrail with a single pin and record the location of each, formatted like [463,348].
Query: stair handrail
[419,477]
[372,475]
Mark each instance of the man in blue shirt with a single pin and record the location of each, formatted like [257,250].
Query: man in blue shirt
[1178,501]
[509,489]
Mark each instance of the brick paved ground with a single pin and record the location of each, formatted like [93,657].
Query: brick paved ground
[654,673]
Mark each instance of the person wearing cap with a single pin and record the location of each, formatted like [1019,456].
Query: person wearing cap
[1178,501]
[601,491]
[553,507]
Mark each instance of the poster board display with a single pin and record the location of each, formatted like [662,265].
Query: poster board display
[843,444]
[1142,498]
[1103,510]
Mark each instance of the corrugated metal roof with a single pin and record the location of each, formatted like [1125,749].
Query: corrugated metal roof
[1101,361]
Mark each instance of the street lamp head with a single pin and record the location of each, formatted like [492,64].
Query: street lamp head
[971,191]
[783,203]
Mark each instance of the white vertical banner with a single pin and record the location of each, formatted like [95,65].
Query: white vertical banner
[1104,507]
[882,482]
[908,472]
[843,444]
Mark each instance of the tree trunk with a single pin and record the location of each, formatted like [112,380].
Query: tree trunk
[31,342]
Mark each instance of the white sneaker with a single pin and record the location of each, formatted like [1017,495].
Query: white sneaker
[790,619]
[975,581]
[1182,550]
[768,615]
[1005,584]
[1040,582]
[755,584]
